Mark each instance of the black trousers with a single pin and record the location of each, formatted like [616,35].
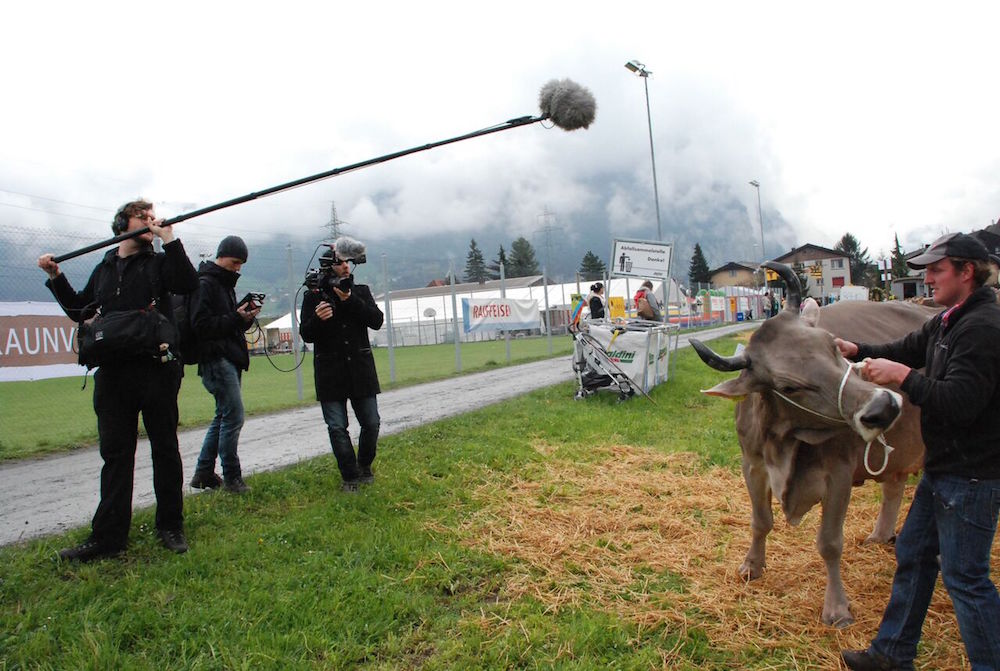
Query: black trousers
[121,392]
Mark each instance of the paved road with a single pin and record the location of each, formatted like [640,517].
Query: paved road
[53,494]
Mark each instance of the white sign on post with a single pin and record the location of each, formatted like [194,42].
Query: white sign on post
[642,259]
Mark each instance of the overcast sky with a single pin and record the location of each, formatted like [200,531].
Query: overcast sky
[873,118]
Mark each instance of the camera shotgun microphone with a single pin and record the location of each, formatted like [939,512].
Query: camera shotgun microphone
[565,103]
[349,249]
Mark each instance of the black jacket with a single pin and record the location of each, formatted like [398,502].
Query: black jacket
[218,325]
[596,307]
[959,391]
[128,284]
[343,363]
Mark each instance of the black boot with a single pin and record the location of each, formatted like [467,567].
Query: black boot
[863,660]
[236,485]
[88,551]
[206,480]
[173,540]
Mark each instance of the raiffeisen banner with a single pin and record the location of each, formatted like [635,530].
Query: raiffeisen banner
[37,341]
[499,314]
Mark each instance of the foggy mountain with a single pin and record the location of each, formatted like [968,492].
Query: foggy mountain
[714,217]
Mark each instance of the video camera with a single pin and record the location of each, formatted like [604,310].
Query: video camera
[324,279]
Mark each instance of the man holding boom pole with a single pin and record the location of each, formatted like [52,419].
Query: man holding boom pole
[133,283]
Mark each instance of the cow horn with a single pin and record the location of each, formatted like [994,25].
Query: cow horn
[794,298]
[726,364]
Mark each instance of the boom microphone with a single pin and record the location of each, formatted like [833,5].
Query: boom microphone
[349,249]
[563,101]
[569,105]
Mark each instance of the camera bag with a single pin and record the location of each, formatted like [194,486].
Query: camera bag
[126,334]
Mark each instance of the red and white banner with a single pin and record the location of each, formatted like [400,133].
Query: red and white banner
[37,341]
[499,314]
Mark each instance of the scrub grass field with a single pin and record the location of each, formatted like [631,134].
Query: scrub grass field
[538,533]
[48,416]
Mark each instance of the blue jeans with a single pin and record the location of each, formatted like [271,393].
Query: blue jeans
[335,415]
[949,529]
[222,378]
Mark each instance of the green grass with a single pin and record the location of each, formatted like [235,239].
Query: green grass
[55,415]
[295,575]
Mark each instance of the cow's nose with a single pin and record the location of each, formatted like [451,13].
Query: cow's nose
[881,411]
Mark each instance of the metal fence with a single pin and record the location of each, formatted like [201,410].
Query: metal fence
[22,281]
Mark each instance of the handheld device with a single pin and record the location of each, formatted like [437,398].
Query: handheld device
[254,299]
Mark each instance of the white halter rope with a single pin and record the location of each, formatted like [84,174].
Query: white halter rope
[843,420]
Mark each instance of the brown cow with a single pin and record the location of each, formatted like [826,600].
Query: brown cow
[804,420]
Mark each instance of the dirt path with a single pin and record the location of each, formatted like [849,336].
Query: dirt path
[53,494]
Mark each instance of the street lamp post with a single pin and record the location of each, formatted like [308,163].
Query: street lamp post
[756,185]
[760,218]
[640,70]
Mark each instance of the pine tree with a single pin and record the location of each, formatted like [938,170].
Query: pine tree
[522,259]
[475,265]
[591,267]
[493,268]
[698,271]
[859,260]
[899,267]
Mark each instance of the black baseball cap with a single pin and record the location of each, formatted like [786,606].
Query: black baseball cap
[957,245]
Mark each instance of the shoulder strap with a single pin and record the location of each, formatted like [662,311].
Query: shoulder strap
[153,275]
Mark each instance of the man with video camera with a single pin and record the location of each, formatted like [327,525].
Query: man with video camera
[131,285]
[336,315]
[220,322]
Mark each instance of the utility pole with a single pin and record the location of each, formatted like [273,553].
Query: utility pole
[333,225]
[547,229]
[296,347]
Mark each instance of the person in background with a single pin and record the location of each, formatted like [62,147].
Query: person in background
[952,521]
[771,304]
[133,277]
[344,368]
[646,291]
[222,357]
[596,301]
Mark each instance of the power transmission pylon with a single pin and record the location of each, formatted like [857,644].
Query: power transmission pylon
[334,225]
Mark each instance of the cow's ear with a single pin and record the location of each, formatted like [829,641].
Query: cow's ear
[735,389]
[810,312]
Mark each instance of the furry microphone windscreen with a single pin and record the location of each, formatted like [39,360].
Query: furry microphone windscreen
[567,104]
[349,249]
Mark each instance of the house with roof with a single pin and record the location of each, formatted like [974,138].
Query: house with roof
[912,285]
[826,270]
[736,274]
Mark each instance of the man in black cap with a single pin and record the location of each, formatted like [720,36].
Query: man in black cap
[953,518]
[222,357]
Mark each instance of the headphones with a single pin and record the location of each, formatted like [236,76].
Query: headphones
[120,223]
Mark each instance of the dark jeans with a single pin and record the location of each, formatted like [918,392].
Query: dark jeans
[221,378]
[954,518]
[335,415]
[120,393]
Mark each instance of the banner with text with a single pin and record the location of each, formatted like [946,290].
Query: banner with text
[639,354]
[37,341]
[499,314]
